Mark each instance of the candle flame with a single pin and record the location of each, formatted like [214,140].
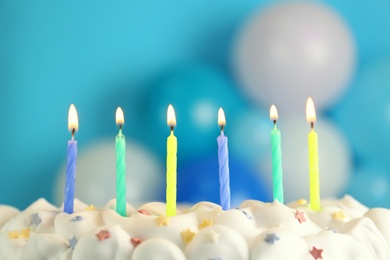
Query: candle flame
[120,119]
[171,117]
[221,117]
[273,113]
[73,119]
[310,111]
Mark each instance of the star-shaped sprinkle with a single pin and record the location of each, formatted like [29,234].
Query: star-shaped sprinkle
[271,238]
[211,236]
[205,223]
[187,235]
[246,214]
[144,212]
[103,235]
[25,233]
[300,216]
[90,207]
[301,202]
[13,234]
[77,218]
[162,221]
[268,203]
[72,242]
[339,215]
[35,219]
[316,253]
[135,241]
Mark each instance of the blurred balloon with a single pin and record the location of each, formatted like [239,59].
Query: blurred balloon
[249,136]
[364,113]
[96,175]
[198,181]
[196,93]
[333,152]
[370,185]
[295,49]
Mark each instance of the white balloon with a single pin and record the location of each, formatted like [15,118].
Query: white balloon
[293,50]
[96,175]
[335,163]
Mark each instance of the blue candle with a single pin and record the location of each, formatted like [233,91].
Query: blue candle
[223,159]
[71,162]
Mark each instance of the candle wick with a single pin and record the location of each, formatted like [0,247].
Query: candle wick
[172,127]
[73,131]
[274,121]
[222,129]
[312,125]
[120,127]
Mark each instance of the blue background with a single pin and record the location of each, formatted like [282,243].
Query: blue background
[100,55]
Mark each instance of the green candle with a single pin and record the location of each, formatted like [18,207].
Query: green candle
[277,171]
[120,145]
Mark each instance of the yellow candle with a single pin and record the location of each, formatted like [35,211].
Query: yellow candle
[171,164]
[313,157]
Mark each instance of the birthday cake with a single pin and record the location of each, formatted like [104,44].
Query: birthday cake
[342,229]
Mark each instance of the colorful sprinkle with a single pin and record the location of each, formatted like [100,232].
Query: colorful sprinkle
[301,202]
[205,223]
[72,242]
[144,212]
[316,253]
[162,221]
[25,233]
[35,219]
[271,238]
[300,216]
[103,235]
[77,218]
[13,234]
[135,241]
[339,215]
[211,237]
[90,207]
[187,235]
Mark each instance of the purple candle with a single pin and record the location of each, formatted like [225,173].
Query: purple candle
[71,161]
[223,159]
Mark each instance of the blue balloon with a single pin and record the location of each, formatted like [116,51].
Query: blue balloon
[196,93]
[370,185]
[364,114]
[250,138]
[198,180]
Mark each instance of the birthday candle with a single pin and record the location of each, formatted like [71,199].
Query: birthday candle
[171,164]
[223,160]
[277,171]
[313,157]
[71,161]
[120,145]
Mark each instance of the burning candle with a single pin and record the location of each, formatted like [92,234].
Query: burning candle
[171,164]
[313,157]
[120,145]
[73,126]
[223,160]
[277,171]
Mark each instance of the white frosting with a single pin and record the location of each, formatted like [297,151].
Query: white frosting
[158,249]
[342,229]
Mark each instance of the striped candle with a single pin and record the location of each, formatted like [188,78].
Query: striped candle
[120,148]
[223,160]
[71,161]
